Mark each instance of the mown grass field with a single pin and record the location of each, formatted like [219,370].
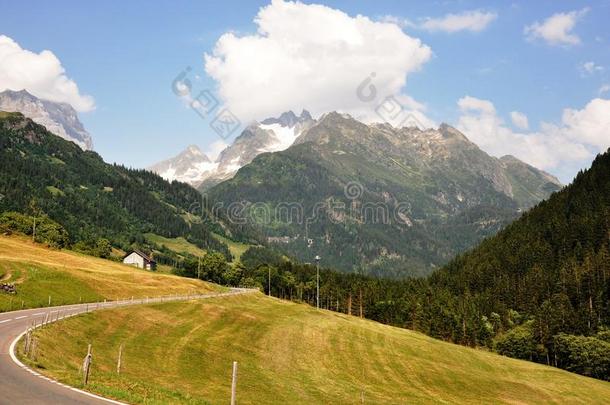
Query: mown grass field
[288,354]
[178,245]
[181,245]
[69,277]
[236,248]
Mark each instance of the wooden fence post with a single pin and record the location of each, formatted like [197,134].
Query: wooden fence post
[234,385]
[87,365]
[28,339]
[33,348]
[118,364]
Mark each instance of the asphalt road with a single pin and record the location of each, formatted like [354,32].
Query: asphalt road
[21,385]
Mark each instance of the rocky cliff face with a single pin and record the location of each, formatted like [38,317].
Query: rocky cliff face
[58,118]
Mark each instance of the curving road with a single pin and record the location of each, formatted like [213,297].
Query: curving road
[21,385]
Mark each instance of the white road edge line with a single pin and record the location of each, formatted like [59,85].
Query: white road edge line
[6,320]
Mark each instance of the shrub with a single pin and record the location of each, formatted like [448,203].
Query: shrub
[584,355]
[517,342]
[47,230]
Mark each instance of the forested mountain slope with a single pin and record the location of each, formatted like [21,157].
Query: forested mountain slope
[559,247]
[44,175]
[552,266]
[380,200]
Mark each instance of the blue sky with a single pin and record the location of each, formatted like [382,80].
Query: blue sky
[126,54]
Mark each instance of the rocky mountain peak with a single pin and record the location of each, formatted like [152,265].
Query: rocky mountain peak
[450,132]
[288,119]
[58,118]
[193,150]
[189,166]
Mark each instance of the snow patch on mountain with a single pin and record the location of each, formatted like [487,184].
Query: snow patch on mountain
[270,135]
[284,136]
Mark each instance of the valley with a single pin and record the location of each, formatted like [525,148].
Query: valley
[290,202]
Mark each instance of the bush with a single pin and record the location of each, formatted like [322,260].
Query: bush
[584,355]
[213,267]
[47,230]
[103,248]
[16,222]
[517,342]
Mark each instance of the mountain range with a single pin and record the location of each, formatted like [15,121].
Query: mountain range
[369,198]
[378,199]
[192,166]
[59,118]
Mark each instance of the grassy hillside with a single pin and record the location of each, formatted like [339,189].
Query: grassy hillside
[70,277]
[288,353]
[236,248]
[178,245]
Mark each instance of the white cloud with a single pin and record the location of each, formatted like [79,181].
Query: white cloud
[468,103]
[39,73]
[557,29]
[604,88]
[589,68]
[400,21]
[519,120]
[474,21]
[563,148]
[590,125]
[314,57]
[214,149]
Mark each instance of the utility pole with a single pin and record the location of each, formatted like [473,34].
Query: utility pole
[317,282]
[35,211]
[199,268]
[269,282]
